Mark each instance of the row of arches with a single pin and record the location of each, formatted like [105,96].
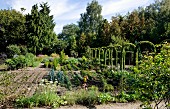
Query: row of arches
[120,55]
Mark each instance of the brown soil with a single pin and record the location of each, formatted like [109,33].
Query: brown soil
[106,106]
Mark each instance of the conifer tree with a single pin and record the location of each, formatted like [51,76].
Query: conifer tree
[40,29]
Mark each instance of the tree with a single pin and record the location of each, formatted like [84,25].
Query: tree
[69,36]
[133,29]
[40,29]
[165,18]
[104,34]
[12,28]
[118,32]
[90,20]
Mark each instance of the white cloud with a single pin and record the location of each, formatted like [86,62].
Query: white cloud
[67,11]
[119,6]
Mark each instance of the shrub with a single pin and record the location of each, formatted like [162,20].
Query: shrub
[55,55]
[153,77]
[55,63]
[21,61]
[10,63]
[13,50]
[40,99]
[85,97]
[105,98]
[23,50]
[30,58]
[63,57]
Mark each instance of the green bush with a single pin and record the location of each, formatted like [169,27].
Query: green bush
[46,64]
[13,50]
[124,97]
[105,98]
[40,99]
[153,77]
[22,61]
[84,97]
[23,50]
[10,63]
[16,62]
[55,63]
[30,59]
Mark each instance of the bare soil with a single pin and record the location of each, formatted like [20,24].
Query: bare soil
[106,106]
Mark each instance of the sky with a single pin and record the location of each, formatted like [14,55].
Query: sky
[68,11]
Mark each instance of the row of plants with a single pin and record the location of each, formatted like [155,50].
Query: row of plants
[21,61]
[47,96]
[63,62]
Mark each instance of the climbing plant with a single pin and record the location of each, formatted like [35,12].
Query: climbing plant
[117,54]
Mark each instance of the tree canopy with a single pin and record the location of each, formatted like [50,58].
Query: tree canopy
[12,28]
[36,30]
[40,28]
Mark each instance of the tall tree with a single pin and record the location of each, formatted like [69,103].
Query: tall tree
[104,34]
[12,28]
[40,28]
[133,28]
[91,19]
[165,18]
[69,36]
[118,27]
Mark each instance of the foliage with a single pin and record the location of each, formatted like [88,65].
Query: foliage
[69,36]
[61,77]
[84,97]
[127,97]
[105,98]
[23,49]
[12,28]
[85,63]
[21,61]
[40,25]
[55,55]
[13,50]
[63,57]
[91,19]
[45,98]
[88,24]
[153,77]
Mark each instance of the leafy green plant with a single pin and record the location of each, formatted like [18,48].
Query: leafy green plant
[23,50]
[106,87]
[22,61]
[47,64]
[85,97]
[55,55]
[13,50]
[105,98]
[55,63]
[40,99]
[63,57]
[153,78]
[127,97]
